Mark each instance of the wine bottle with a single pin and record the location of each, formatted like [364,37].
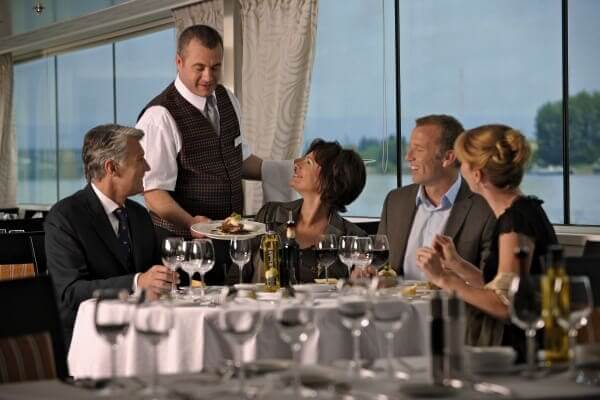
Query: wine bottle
[437,340]
[555,301]
[455,338]
[290,254]
[270,251]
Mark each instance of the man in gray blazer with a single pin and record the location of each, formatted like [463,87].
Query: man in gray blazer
[438,202]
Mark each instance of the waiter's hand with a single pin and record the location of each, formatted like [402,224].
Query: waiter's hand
[199,219]
[157,280]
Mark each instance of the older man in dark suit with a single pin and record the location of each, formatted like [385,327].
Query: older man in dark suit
[98,238]
[438,202]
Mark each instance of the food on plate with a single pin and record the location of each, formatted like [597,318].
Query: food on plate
[409,291]
[197,284]
[232,225]
[331,281]
[387,277]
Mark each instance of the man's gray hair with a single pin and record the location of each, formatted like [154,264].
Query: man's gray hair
[103,143]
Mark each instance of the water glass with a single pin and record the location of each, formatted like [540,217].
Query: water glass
[362,252]
[154,320]
[580,307]
[112,315]
[389,312]
[526,312]
[354,310]
[173,254]
[326,251]
[208,261]
[345,252]
[295,322]
[240,251]
[240,319]
[192,262]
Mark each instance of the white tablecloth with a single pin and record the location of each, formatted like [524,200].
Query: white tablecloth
[195,343]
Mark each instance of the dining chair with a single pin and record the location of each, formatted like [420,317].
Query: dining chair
[16,258]
[32,345]
[26,225]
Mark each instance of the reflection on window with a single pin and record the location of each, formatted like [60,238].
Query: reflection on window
[352,94]
[35,124]
[141,73]
[85,99]
[503,66]
[584,111]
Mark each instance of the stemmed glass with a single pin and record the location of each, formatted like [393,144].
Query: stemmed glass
[192,262]
[240,318]
[362,252]
[381,250]
[295,321]
[326,250]
[580,307]
[389,312]
[526,312]
[345,252]
[173,254]
[240,252]
[354,310]
[154,320]
[112,315]
[208,261]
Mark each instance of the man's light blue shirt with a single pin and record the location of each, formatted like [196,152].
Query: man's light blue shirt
[429,221]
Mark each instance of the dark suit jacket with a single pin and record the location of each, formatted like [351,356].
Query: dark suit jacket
[83,252]
[471,224]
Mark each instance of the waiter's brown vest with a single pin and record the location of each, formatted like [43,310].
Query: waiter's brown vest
[209,178]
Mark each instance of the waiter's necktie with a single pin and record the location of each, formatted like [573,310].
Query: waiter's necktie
[211,112]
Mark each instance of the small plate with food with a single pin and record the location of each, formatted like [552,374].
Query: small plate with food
[233,227]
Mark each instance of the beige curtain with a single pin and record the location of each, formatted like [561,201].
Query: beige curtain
[278,53]
[205,13]
[8,148]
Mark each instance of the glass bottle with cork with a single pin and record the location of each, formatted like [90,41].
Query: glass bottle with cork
[269,246]
[555,302]
[290,254]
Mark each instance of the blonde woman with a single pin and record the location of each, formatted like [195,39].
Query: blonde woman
[493,161]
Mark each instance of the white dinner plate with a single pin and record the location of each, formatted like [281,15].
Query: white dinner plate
[314,287]
[212,231]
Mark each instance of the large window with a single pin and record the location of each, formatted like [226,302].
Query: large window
[58,99]
[352,94]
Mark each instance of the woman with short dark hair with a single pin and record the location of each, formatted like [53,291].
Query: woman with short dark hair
[328,178]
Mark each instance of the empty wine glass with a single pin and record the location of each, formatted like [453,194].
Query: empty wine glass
[173,254]
[240,319]
[354,310]
[154,320]
[388,313]
[295,321]
[208,261]
[326,251]
[192,262]
[526,312]
[112,315]
[580,302]
[362,252]
[345,252]
[240,251]
[381,250]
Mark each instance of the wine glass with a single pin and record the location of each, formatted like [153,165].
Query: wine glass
[326,250]
[239,319]
[192,262]
[389,312]
[345,251]
[208,261]
[295,322]
[112,314]
[381,250]
[526,312]
[580,303]
[153,320]
[354,310]
[362,252]
[173,254]
[240,252]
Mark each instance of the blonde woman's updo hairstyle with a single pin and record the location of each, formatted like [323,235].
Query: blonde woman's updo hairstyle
[501,152]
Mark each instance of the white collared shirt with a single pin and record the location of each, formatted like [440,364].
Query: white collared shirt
[429,221]
[109,207]
[162,140]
